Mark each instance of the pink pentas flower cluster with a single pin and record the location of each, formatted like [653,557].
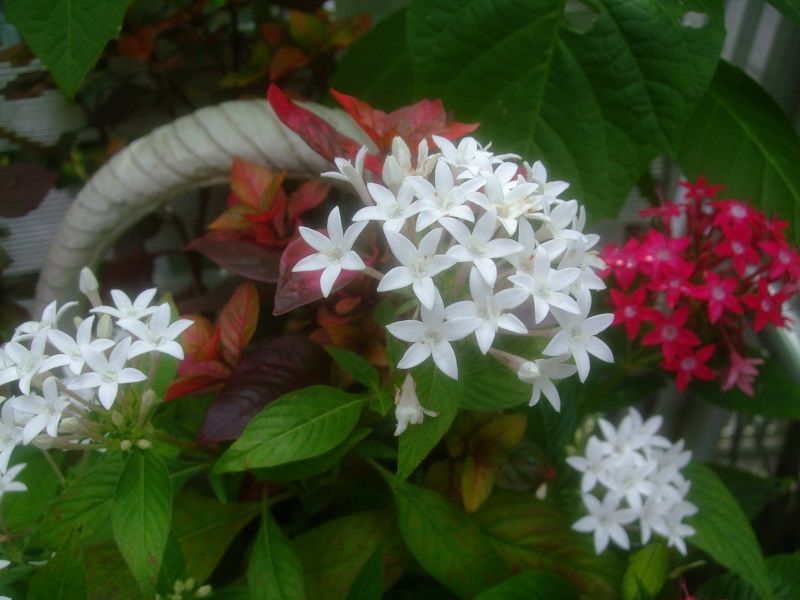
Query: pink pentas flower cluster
[695,294]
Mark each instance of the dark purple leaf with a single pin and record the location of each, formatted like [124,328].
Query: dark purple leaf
[241,257]
[276,367]
[23,186]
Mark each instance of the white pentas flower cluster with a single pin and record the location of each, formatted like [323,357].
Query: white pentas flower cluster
[64,385]
[633,476]
[484,245]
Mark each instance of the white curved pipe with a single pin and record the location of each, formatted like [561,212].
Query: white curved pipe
[191,152]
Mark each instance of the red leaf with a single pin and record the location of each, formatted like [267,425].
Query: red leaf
[298,289]
[286,60]
[253,184]
[275,368]
[315,131]
[308,196]
[204,368]
[191,385]
[237,322]
[23,186]
[195,337]
[242,257]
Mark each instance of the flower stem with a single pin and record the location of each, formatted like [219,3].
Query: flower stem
[61,479]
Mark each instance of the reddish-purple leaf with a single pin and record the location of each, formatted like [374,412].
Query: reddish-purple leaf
[237,322]
[253,184]
[276,367]
[238,256]
[23,186]
[298,289]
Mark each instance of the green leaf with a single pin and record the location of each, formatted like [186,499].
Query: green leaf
[531,585]
[751,491]
[67,35]
[330,575]
[107,575]
[790,8]
[62,577]
[739,137]
[303,469]
[141,515]
[445,542]
[205,528]
[377,66]
[298,425]
[85,505]
[722,530]
[515,66]
[529,534]
[438,393]
[354,365]
[23,511]
[784,573]
[274,571]
[369,583]
[173,567]
[646,573]
[775,394]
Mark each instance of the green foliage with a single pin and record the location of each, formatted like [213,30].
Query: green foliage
[84,505]
[67,35]
[445,542]
[634,78]
[357,367]
[63,577]
[369,582]
[23,511]
[299,425]
[205,528]
[274,571]
[740,137]
[529,534]
[531,585]
[646,573]
[141,515]
[784,574]
[352,539]
[722,530]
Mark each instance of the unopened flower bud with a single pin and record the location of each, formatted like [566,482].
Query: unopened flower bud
[144,444]
[179,586]
[105,327]
[125,445]
[189,583]
[203,591]
[407,407]
[117,419]
[87,283]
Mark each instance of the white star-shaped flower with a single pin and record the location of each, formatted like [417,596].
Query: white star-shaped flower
[577,337]
[545,286]
[41,413]
[508,197]
[392,210]
[477,246]
[7,483]
[408,410]
[431,337]
[605,520]
[73,348]
[334,253]
[418,265]
[125,309]
[541,374]
[445,199]
[487,310]
[50,316]
[353,173]
[592,465]
[107,373]
[27,363]
[158,335]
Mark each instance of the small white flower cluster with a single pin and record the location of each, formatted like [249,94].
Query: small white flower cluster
[467,215]
[634,474]
[63,379]
[186,589]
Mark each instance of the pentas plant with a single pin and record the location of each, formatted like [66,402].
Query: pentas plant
[467,220]
[77,390]
[709,271]
[633,476]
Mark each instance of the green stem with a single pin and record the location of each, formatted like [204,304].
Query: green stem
[61,479]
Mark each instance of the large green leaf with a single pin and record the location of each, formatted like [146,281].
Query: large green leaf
[141,515]
[368,585]
[298,425]
[784,573]
[531,585]
[529,534]
[205,528]
[67,35]
[85,504]
[329,575]
[274,571]
[357,367]
[23,511]
[738,136]
[595,106]
[107,575]
[63,577]
[646,573]
[445,542]
[722,530]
